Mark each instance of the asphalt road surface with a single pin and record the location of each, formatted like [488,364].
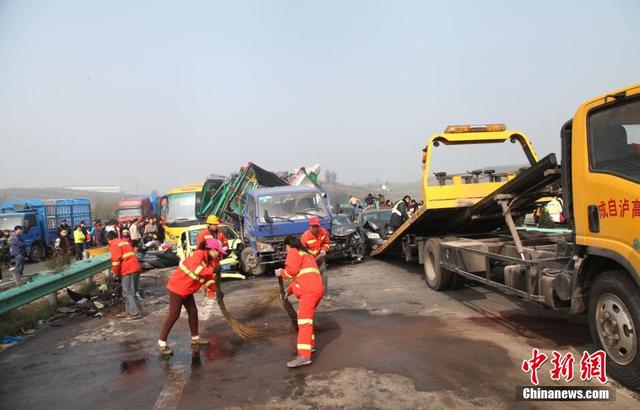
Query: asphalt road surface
[384,339]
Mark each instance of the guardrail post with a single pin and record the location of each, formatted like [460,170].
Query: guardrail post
[52,298]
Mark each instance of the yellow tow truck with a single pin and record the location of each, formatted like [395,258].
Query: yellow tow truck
[467,229]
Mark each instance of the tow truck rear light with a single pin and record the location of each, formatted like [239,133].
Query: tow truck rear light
[458,129]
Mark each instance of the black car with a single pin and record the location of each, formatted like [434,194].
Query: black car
[374,227]
[346,241]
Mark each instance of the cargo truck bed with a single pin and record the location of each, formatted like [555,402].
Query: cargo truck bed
[484,216]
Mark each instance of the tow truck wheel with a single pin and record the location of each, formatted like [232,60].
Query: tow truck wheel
[614,321]
[250,264]
[437,278]
[37,253]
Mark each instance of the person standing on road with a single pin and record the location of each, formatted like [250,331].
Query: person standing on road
[399,212]
[63,246]
[213,231]
[151,227]
[316,240]
[134,231]
[125,264]
[79,240]
[19,252]
[64,226]
[301,270]
[193,273]
[5,255]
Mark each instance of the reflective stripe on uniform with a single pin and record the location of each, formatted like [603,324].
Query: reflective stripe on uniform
[115,263]
[208,237]
[209,283]
[126,255]
[308,270]
[305,322]
[123,243]
[194,275]
[312,241]
[395,209]
[302,346]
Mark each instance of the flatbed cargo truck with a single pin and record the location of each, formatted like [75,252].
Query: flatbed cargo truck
[467,229]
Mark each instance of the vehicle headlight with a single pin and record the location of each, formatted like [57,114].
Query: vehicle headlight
[264,247]
[373,235]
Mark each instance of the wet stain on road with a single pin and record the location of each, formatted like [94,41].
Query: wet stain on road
[539,331]
[424,349]
[132,366]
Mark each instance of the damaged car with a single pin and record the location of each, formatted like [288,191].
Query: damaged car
[346,241]
[374,227]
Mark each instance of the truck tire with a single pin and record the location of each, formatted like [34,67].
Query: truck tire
[614,321]
[37,253]
[457,281]
[436,278]
[249,263]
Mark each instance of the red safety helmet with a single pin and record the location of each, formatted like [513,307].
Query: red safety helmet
[314,222]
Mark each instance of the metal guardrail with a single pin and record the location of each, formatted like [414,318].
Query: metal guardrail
[41,285]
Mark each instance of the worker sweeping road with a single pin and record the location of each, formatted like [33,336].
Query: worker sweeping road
[193,273]
[306,283]
[316,239]
[124,263]
[213,231]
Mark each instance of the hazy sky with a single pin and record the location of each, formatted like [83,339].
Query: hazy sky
[162,93]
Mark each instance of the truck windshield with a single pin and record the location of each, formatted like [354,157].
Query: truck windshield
[130,212]
[291,207]
[10,222]
[181,207]
[614,140]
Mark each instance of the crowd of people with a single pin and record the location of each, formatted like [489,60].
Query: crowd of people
[380,202]
[75,241]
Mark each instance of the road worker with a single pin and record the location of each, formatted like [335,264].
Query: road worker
[194,272]
[316,239]
[125,264]
[302,272]
[399,212]
[213,231]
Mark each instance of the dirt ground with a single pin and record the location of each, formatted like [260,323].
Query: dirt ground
[384,339]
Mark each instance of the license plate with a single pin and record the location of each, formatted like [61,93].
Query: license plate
[226,268]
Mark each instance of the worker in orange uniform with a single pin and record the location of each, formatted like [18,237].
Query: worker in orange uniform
[193,273]
[316,239]
[305,282]
[125,264]
[213,231]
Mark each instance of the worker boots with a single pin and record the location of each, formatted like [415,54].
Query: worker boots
[200,341]
[299,361]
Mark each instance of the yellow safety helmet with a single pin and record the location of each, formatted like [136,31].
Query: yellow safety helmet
[213,220]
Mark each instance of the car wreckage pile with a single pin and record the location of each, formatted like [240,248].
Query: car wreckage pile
[258,209]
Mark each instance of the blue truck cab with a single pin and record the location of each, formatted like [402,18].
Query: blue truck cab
[40,220]
[270,215]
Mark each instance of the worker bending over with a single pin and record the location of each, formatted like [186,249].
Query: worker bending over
[125,264]
[301,270]
[213,231]
[399,212]
[193,273]
[316,239]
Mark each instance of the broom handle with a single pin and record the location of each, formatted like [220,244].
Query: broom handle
[219,296]
[287,305]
